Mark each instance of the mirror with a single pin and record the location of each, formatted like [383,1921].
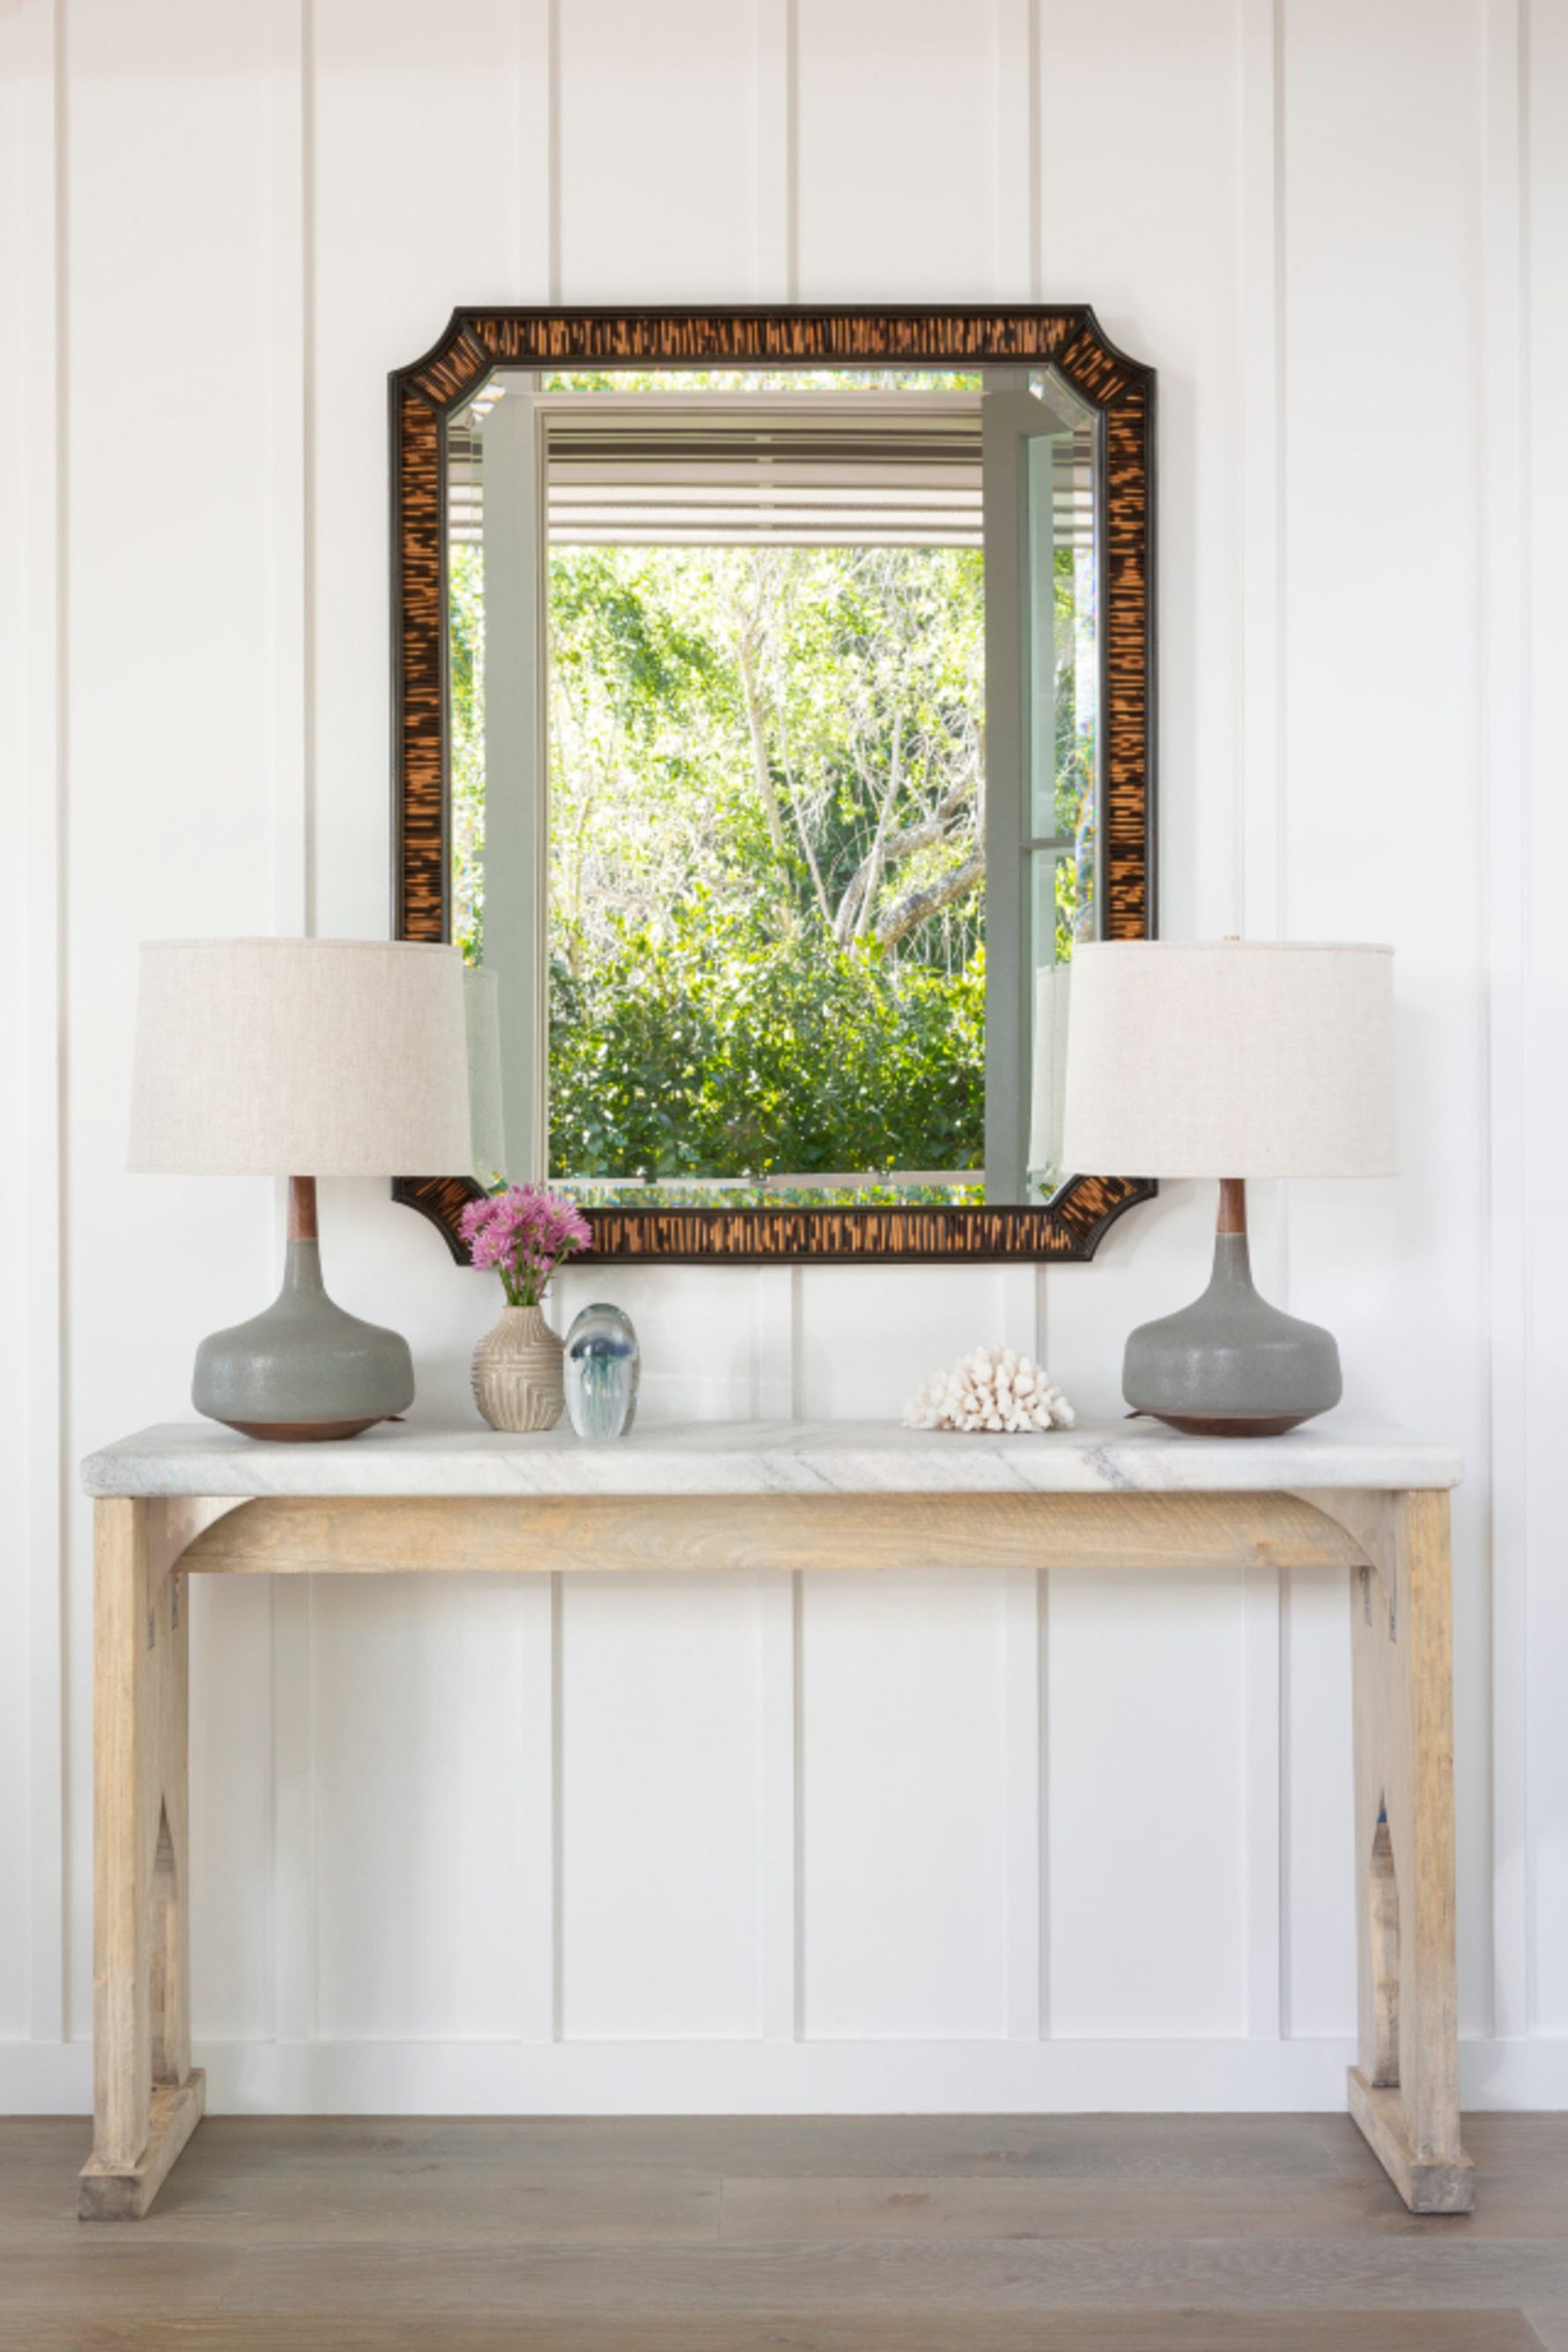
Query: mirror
[792,728]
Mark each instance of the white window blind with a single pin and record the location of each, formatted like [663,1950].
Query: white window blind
[812,473]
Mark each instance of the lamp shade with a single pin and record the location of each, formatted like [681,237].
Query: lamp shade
[300,1057]
[1230,1058]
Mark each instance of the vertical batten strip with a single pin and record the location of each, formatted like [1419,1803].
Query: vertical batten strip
[778,1294]
[1015,272]
[1260,832]
[290,338]
[1259,891]
[553,87]
[294,1889]
[557,1659]
[1023,1965]
[776,1342]
[537,1600]
[1265,1636]
[538,147]
[1504,831]
[775,268]
[41,414]
[1018,1306]
[1025,1602]
[1015,275]
[778,1822]
[294,1914]
[537,214]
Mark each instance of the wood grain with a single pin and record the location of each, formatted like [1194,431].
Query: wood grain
[1018,2276]
[302,1215]
[123,1835]
[1413,2329]
[1428,2184]
[1405,2093]
[823,2209]
[116,2192]
[142,2038]
[301,1535]
[172,1523]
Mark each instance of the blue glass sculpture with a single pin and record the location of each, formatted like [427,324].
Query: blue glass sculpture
[602,1362]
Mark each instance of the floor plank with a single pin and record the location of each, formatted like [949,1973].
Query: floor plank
[1022,2274]
[797,2212]
[371,2200]
[1229,2147]
[1415,2330]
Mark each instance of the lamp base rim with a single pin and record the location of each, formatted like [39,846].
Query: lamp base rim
[1226,1424]
[298,1433]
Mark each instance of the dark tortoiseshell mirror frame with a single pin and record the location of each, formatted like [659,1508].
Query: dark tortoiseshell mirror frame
[423,397]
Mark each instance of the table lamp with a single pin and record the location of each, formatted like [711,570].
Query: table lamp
[300,1059]
[1230,1058]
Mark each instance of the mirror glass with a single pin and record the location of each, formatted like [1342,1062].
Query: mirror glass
[775,743]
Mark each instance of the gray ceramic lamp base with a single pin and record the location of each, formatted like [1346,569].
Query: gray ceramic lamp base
[1230,1365]
[303,1369]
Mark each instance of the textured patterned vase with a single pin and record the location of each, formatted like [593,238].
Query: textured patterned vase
[517,1371]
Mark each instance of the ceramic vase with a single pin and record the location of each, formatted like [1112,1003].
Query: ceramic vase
[516,1373]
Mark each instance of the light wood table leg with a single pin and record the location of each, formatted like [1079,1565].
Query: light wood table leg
[1405,2093]
[147,2097]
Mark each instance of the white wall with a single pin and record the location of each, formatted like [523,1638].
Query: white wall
[935,1841]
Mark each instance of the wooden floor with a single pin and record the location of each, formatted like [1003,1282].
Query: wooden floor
[1250,2233]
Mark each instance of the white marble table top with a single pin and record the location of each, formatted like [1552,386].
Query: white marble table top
[752,1457]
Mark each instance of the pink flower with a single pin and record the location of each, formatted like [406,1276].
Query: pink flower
[523,1233]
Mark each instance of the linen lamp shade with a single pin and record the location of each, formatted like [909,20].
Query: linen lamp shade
[300,1057]
[1230,1058]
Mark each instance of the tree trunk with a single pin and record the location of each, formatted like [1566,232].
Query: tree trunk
[906,913]
[756,720]
[855,906]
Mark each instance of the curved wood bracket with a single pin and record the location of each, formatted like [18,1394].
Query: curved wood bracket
[174,1523]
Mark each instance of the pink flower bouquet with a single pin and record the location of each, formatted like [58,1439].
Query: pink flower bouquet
[523,1233]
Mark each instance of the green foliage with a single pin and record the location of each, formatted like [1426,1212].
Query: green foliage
[766,901]
[715,1044]
[756,754]
[465,643]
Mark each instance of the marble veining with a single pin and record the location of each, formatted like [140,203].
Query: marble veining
[753,1457]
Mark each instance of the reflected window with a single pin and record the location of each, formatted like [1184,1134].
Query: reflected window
[774,782]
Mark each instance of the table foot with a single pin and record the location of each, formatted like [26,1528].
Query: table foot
[1428,2184]
[119,2192]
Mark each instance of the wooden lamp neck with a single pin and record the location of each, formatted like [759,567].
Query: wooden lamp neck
[1232,1205]
[302,1208]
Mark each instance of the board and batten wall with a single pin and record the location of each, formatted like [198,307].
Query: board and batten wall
[859,1841]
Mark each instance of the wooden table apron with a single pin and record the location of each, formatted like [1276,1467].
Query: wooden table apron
[1405,2091]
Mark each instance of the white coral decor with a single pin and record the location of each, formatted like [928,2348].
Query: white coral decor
[995,1387]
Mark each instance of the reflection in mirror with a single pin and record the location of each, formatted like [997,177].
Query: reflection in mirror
[775,777]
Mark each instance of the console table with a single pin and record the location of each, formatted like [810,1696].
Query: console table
[765,1495]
